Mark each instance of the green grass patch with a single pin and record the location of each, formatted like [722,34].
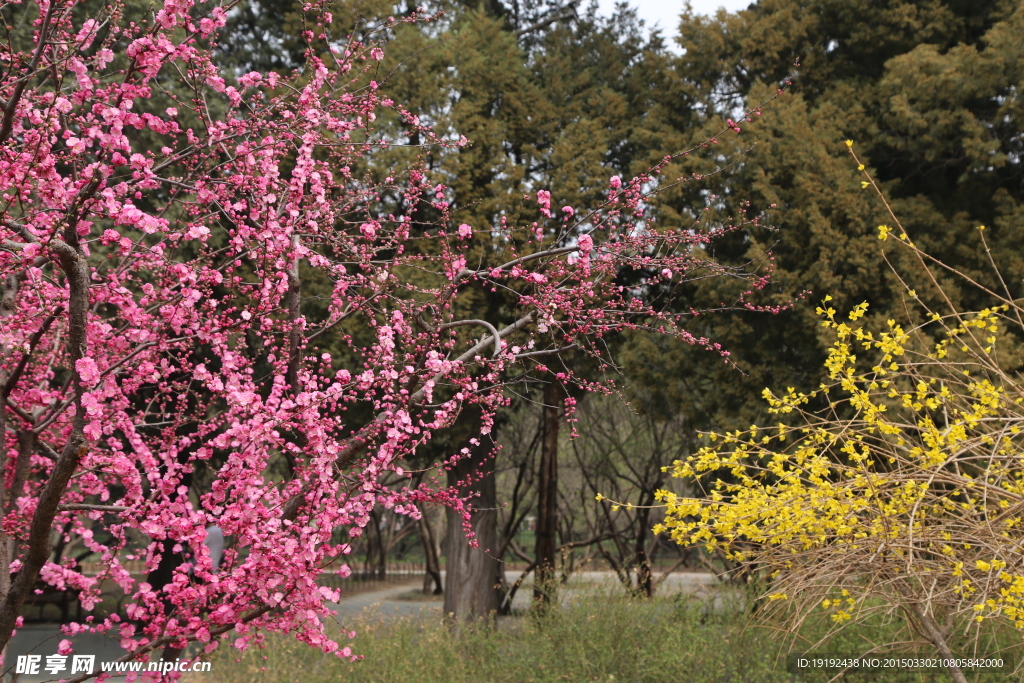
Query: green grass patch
[598,637]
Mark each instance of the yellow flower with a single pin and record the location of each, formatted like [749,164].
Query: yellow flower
[861,167]
[599,497]
[849,143]
[983,565]
[863,184]
[883,232]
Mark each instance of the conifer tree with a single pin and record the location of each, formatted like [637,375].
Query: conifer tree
[929,92]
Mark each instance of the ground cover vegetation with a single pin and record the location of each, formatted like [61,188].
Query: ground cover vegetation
[599,636]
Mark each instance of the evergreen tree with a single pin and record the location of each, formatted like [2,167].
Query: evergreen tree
[929,92]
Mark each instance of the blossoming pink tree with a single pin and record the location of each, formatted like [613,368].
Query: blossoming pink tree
[152,267]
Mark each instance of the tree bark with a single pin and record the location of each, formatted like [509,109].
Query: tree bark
[473,575]
[547,494]
[931,630]
[377,552]
[644,580]
[38,544]
[432,555]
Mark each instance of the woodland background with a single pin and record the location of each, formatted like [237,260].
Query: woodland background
[555,95]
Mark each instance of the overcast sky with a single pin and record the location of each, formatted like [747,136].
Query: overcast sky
[665,13]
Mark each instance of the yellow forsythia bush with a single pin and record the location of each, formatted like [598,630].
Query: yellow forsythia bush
[905,492]
[909,486]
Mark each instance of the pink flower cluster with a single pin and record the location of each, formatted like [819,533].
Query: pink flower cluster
[154,332]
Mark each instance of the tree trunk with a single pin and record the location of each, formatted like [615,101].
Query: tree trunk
[8,293]
[547,494]
[163,575]
[932,631]
[472,574]
[38,546]
[644,581]
[431,554]
[379,569]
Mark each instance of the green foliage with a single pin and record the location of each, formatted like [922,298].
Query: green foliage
[929,92]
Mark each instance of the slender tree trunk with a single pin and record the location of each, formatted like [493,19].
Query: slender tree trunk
[370,566]
[381,570]
[8,292]
[38,546]
[473,574]
[163,575]
[432,555]
[644,581]
[547,494]
[932,631]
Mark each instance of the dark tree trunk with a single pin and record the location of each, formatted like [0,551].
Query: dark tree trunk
[644,581]
[161,577]
[547,494]
[377,569]
[38,546]
[371,530]
[433,559]
[473,575]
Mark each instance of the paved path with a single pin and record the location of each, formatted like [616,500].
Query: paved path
[407,600]
[42,639]
[402,600]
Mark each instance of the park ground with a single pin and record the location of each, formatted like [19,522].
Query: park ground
[694,630]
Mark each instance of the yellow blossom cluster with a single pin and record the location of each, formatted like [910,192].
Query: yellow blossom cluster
[901,479]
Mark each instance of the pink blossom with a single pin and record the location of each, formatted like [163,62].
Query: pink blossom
[544,201]
[251,79]
[198,232]
[87,370]
[465,231]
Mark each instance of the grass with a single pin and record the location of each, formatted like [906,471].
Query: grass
[599,637]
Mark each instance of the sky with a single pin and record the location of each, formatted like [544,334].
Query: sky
[665,13]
